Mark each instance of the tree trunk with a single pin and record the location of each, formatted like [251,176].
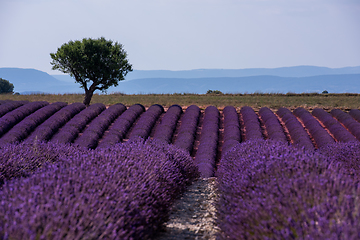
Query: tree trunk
[88,96]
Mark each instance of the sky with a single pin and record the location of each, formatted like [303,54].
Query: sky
[186,34]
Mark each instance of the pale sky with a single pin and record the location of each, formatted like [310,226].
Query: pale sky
[186,34]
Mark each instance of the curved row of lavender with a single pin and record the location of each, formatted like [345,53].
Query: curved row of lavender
[232,134]
[186,134]
[355,113]
[251,123]
[207,150]
[47,129]
[8,106]
[349,122]
[90,136]
[10,119]
[167,126]
[121,192]
[298,134]
[336,129]
[21,130]
[146,122]
[272,125]
[121,126]
[321,137]
[69,132]
[270,190]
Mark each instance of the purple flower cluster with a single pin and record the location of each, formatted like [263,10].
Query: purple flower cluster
[167,126]
[321,137]
[11,118]
[336,129]
[273,127]
[207,150]
[251,123]
[121,126]
[349,122]
[8,106]
[21,130]
[123,192]
[232,134]
[269,190]
[146,122]
[90,136]
[300,138]
[187,130]
[69,132]
[47,129]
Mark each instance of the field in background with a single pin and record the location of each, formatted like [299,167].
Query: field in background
[343,101]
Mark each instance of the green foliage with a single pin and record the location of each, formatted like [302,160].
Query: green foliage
[96,64]
[325,92]
[214,92]
[6,86]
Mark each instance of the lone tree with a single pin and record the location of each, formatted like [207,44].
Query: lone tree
[96,64]
[6,86]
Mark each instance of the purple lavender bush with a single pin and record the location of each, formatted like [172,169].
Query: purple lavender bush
[9,106]
[47,129]
[122,192]
[121,126]
[336,129]
[69,132]
[251,123]
[232,135]
[146,122]
[273,127]
[300,138]
[350,123]
[167,126]
[186,135]
[11,118]
[321,137]
[90,136]
[29,123]
[269,190]
[205,157]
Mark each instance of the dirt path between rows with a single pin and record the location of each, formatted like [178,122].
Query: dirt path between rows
[193,216]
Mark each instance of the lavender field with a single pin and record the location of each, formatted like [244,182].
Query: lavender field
[113,172]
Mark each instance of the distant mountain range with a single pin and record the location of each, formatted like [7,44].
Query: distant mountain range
[297,79]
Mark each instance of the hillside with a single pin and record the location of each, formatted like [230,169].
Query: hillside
[278,80]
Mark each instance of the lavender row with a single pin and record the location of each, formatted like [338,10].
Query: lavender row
[69,132]
[355,113]
[321,137]
[187,131]
[350,123]
[47,129]
[21,130]
[207,150]
[269,190]
[146,122]
[12,118]
[89,138]
[273,127]
[336,129]
[251,123]
[121,126]
[298,134]
[10,105]
[167,126]
[125,190]
[232,135]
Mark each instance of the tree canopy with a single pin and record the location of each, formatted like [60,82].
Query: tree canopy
[6,86]
[96,64]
